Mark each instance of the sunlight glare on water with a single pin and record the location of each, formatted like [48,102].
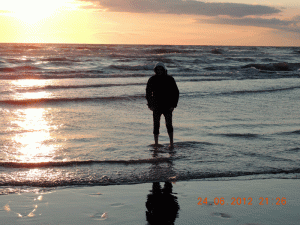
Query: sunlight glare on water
[27,83]
[32,141]
[24,89]
[29,130]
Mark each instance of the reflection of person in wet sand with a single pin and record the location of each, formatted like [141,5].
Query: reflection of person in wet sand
[162,95]
[162,206]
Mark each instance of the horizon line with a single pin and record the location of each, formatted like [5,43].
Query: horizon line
[218,45]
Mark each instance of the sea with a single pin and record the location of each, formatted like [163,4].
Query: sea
[76,115]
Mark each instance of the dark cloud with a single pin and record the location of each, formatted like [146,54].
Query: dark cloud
[220,13]
[258,22]
[188,7]
[286,25]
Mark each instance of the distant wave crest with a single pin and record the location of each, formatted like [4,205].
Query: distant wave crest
[64,100]
[283,66]
[79,163]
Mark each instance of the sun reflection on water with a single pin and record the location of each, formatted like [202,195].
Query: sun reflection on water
[30,89]
[27,83]
[30,135]
[33,141]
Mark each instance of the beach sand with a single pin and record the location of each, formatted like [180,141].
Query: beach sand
[126,204]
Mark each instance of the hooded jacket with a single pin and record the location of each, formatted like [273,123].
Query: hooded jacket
[162,92]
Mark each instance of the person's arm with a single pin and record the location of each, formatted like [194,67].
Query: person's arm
[149,95]
[175,93]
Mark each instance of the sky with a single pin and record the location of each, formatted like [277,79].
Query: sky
[154,22]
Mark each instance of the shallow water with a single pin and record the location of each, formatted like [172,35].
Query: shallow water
[77,114]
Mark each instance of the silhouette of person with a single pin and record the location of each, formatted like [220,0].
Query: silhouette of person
[162,96]
[162,206]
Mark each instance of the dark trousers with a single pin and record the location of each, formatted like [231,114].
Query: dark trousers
[156,120]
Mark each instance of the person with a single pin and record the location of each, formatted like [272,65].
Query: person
[162,96]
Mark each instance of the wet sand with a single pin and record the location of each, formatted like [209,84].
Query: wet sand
[228,202]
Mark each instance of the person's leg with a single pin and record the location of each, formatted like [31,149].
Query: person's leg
[156,125]
[156,139]
[171,139]
[169,125]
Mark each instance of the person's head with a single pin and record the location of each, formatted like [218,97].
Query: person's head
[160,69]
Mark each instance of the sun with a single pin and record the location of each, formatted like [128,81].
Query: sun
[33,11]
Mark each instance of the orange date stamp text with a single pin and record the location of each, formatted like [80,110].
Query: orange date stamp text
[244,201]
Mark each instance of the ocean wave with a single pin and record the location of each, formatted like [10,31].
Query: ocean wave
[244,59]
[26,102]
[258,91]
[290,132]
[217,51]
[91,74]
[275,66]
[55,87]
[294,150]
[168,50]
[79,163]
[267,60]
[238,135]
[138,67]
[58,59]
[144,178]
[297,51]
[24,46]
[18,68]
[296,132]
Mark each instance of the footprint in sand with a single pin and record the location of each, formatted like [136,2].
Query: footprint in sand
[223,215]
[100,216]
[117,204]
[95,194]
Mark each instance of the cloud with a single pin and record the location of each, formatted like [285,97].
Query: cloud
[219,13]
[258,22]
[286,25]
[187,7]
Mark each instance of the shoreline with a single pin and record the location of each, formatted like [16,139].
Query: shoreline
[126,204]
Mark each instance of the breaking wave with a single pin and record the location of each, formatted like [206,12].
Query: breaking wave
[143,178]
[79,163]
[275,66]
[64,100]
